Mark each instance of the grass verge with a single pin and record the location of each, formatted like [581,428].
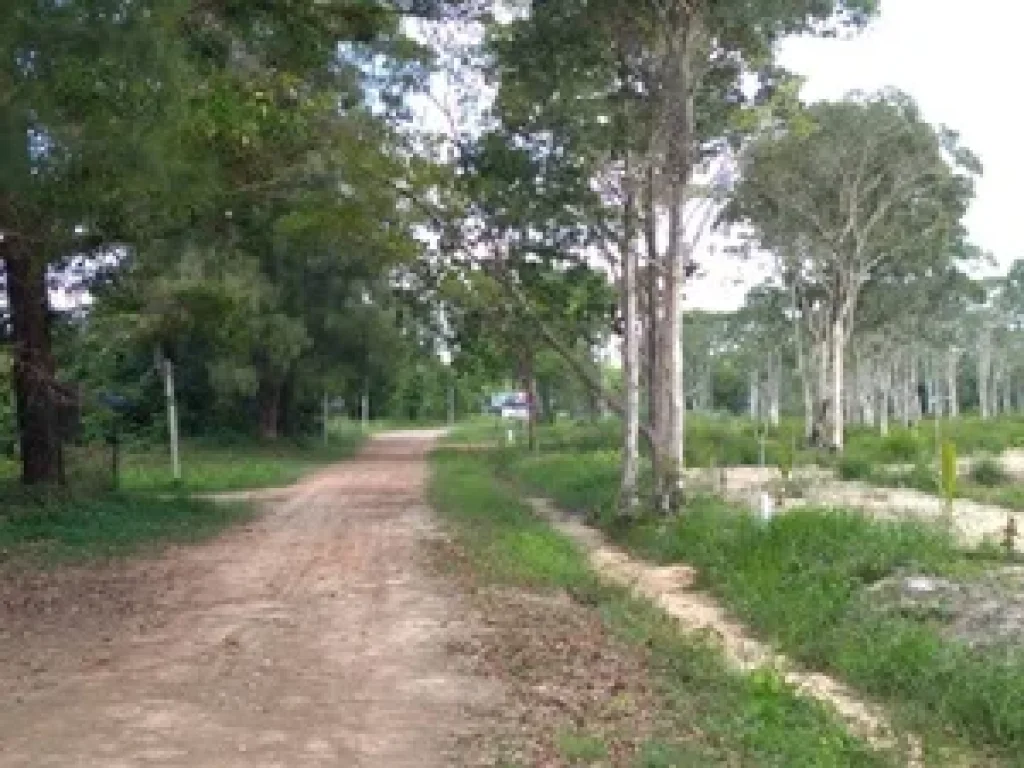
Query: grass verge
[210,469]
[56,528]
[800,582]
[710,714]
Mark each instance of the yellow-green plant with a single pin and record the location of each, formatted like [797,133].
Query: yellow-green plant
[947,475]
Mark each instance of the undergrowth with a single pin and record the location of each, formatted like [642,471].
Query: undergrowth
[721,717]
[797,581]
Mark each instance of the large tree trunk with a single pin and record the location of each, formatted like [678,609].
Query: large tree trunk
[34,366]
[820,418]
[671,395]
[268,401]
[630,366]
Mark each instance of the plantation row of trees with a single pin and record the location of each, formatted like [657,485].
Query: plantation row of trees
[949,345]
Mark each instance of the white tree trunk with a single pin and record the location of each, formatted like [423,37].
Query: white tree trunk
[630,368]
[775,391]
[883,402]
[984,372]
[838,411]
[952,390]
[754,401]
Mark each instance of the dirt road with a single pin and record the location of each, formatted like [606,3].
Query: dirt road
[315,636]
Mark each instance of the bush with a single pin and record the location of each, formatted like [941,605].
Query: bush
[855,467]
[989,472]
[903,445]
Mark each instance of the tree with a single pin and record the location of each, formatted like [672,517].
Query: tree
[640,95]
[90,98]
[850,189]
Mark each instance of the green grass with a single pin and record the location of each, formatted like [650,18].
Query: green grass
[581,748]
[55,528]
[798,582]
[206,465]
[86,520]
[719,716]
[207,469]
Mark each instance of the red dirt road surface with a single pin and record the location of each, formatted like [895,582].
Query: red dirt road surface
[313,636]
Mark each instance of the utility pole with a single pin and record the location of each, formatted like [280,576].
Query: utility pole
[172,418]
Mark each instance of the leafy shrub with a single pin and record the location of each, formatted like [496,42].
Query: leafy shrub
[989,472]
[855,467]
[903,445]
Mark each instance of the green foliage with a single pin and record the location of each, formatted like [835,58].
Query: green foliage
[207,468]
[853,466]
[717,716]
[581,748]
[60,528]
[989,472]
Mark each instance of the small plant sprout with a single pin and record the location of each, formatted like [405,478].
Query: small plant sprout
[947,478]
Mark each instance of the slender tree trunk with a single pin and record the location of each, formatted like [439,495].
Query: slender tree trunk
[34,366]
[952,389]
[775,391]
[629,498]
[753,400]
[984,371]
[838,411]
[653,297]
[805,384]
[268,399]
[531,393]
[884,400]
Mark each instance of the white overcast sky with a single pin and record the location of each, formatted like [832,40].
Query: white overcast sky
[961,63]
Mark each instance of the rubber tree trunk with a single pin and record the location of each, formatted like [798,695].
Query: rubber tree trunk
[629,498]
[883,402]
[820,433]
[984,374]
[838,340]
[952,390]
[775,392]
[753,400]
[34,366]
[670,402]
[653,304]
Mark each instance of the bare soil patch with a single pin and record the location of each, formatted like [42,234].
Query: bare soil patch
[974,523]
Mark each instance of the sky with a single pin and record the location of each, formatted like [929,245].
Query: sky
[960,62]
